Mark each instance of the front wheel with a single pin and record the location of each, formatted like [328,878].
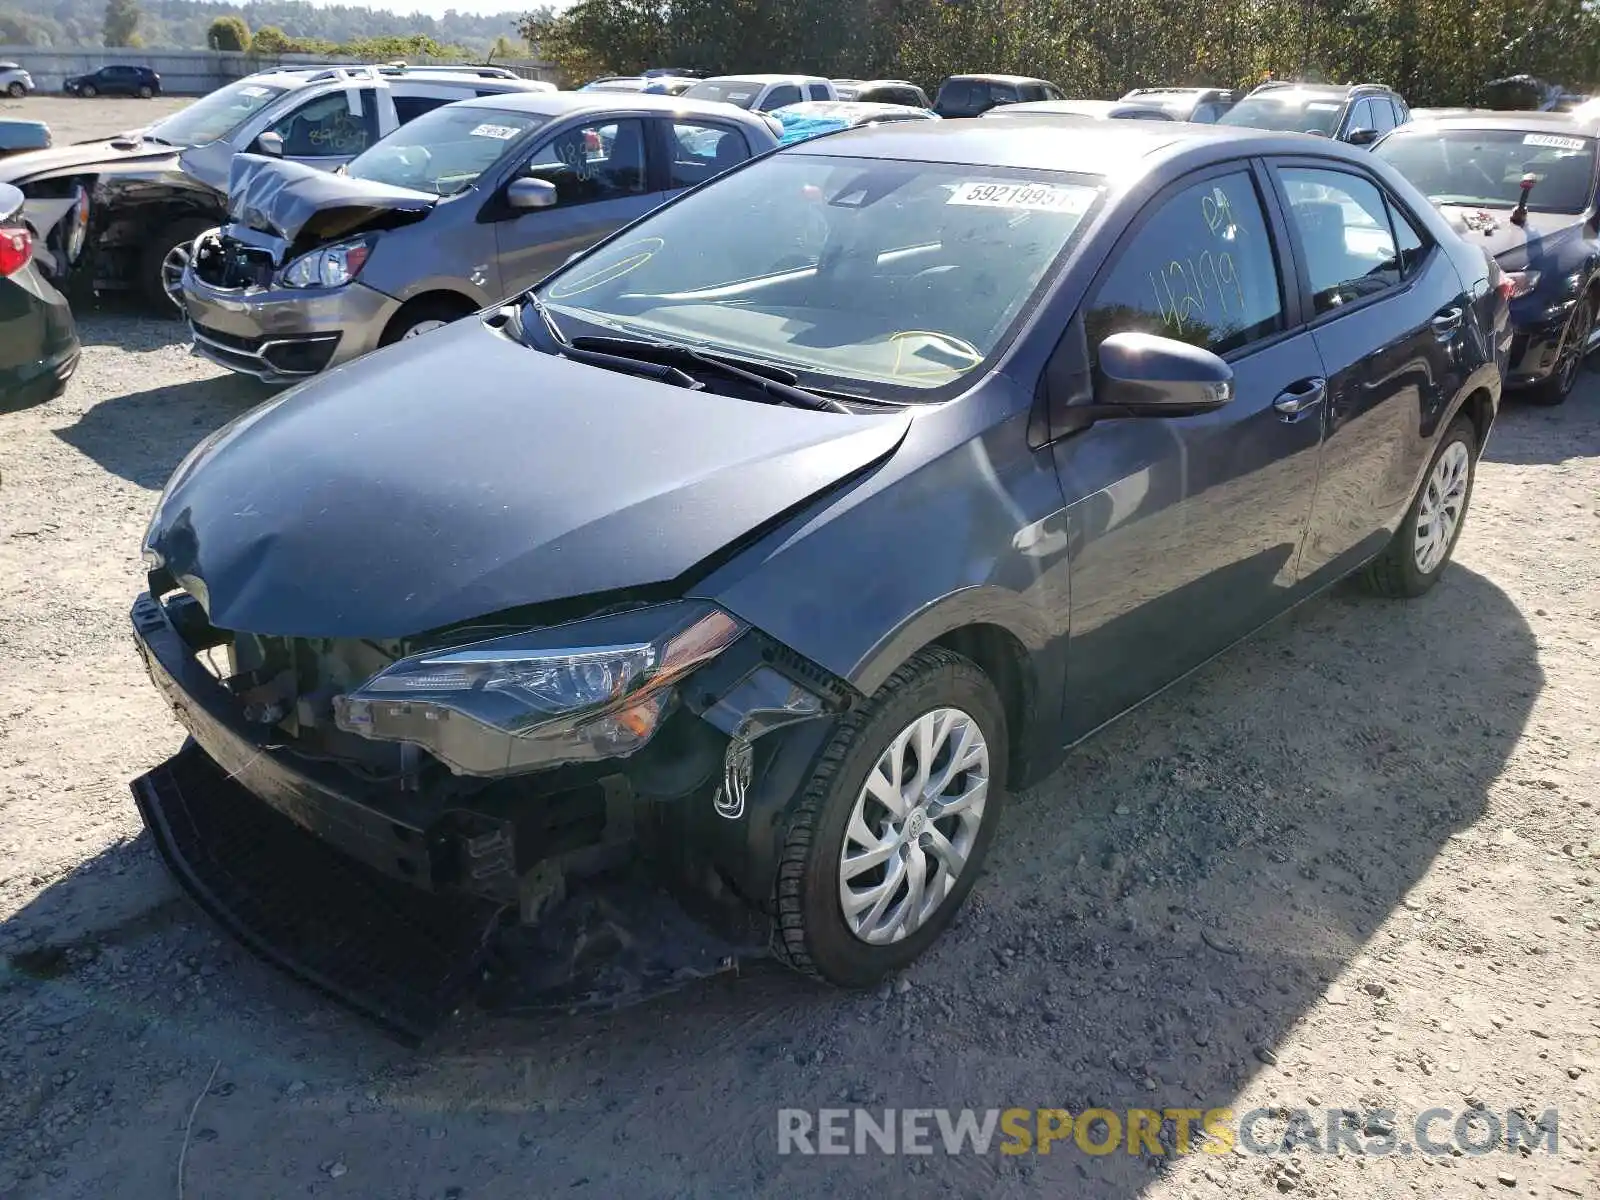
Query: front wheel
[164,260]
[87,91]
[891,831]
[16,91]
[1569,357]
[1417,554]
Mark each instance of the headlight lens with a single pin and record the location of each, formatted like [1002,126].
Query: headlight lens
[569,693]
[328,266]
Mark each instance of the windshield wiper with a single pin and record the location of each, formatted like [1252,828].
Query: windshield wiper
[772,381]
[551,340]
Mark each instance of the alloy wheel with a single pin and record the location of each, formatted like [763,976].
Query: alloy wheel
[913,826]
[1444,499]
[172,269]
[1574,344]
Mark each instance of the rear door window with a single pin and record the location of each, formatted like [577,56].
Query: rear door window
[1342,221]
[604,160]
[817,91]
[1199,269]
[1002,93]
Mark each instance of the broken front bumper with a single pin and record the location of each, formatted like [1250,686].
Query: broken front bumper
[280,335]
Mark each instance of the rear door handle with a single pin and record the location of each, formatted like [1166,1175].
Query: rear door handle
[1447,321]
[1300,398]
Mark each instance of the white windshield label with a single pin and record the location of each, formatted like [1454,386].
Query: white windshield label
[252,90]
[1029,197]
[1323,106]
[502,132]
[1553,141]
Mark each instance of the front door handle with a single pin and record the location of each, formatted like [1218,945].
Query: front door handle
[1300,398]
[1448,321]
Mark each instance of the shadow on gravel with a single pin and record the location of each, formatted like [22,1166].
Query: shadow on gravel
[1532,435]
[142,436]
[1155,918]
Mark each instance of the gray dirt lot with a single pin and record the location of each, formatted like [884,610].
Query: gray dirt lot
[1355,862]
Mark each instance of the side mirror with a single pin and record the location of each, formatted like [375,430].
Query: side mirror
[531,193]
[1149,376]
[1362,137]
[270,143]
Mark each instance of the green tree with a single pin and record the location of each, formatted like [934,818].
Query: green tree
[269,39]
[228,33]
[121,23]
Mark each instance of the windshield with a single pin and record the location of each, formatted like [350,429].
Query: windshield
[216,115]
[888,279]
[1485,167]
[443,151]
[742,92]
[1294,112]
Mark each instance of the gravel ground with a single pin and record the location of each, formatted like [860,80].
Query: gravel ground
[1354,863]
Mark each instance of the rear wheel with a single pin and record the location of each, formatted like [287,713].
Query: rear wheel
[891,832]
[1569,358]
[16,91]
[165,257]
[1417,554]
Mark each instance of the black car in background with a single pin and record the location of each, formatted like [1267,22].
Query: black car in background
[1358,113]
[905,548]
[1522,187]
[1202,105]
[974,95]
[115,81]
[38,340]
[882,91]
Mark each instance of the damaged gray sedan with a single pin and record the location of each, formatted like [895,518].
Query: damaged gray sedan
[779,535]
[454,210]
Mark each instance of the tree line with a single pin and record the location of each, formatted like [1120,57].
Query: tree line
[189,24]
[1435,52]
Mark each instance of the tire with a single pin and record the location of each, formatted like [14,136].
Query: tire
[423,315]
[1403,570]
[1569,358]
[144,92]
[16,91]
[87,91]
[812,933]
[153,263]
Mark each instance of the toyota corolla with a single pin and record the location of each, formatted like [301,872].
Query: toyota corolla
[812,513]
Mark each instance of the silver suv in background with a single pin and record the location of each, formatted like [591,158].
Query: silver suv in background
[14,81]
[762,93]
[460,208]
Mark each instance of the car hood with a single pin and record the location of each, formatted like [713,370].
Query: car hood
[461,474]
[289,198]
[128,148]
[1511,244]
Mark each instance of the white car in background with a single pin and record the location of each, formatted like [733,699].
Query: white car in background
[14,81]
[762,93]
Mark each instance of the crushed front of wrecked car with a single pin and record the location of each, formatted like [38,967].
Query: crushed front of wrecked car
[433,634]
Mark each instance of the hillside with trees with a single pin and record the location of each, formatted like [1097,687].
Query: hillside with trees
[191,24]
[1433,51]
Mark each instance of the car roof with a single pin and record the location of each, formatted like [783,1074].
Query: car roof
[1531,122]
[561,104]
[1286,87]
[997,78]
[866,83]
[765,79]
[1070,108]
[1051,144]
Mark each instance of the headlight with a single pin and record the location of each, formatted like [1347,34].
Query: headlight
[328,266]
[568,693]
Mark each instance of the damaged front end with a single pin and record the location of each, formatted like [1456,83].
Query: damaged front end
[500,772]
